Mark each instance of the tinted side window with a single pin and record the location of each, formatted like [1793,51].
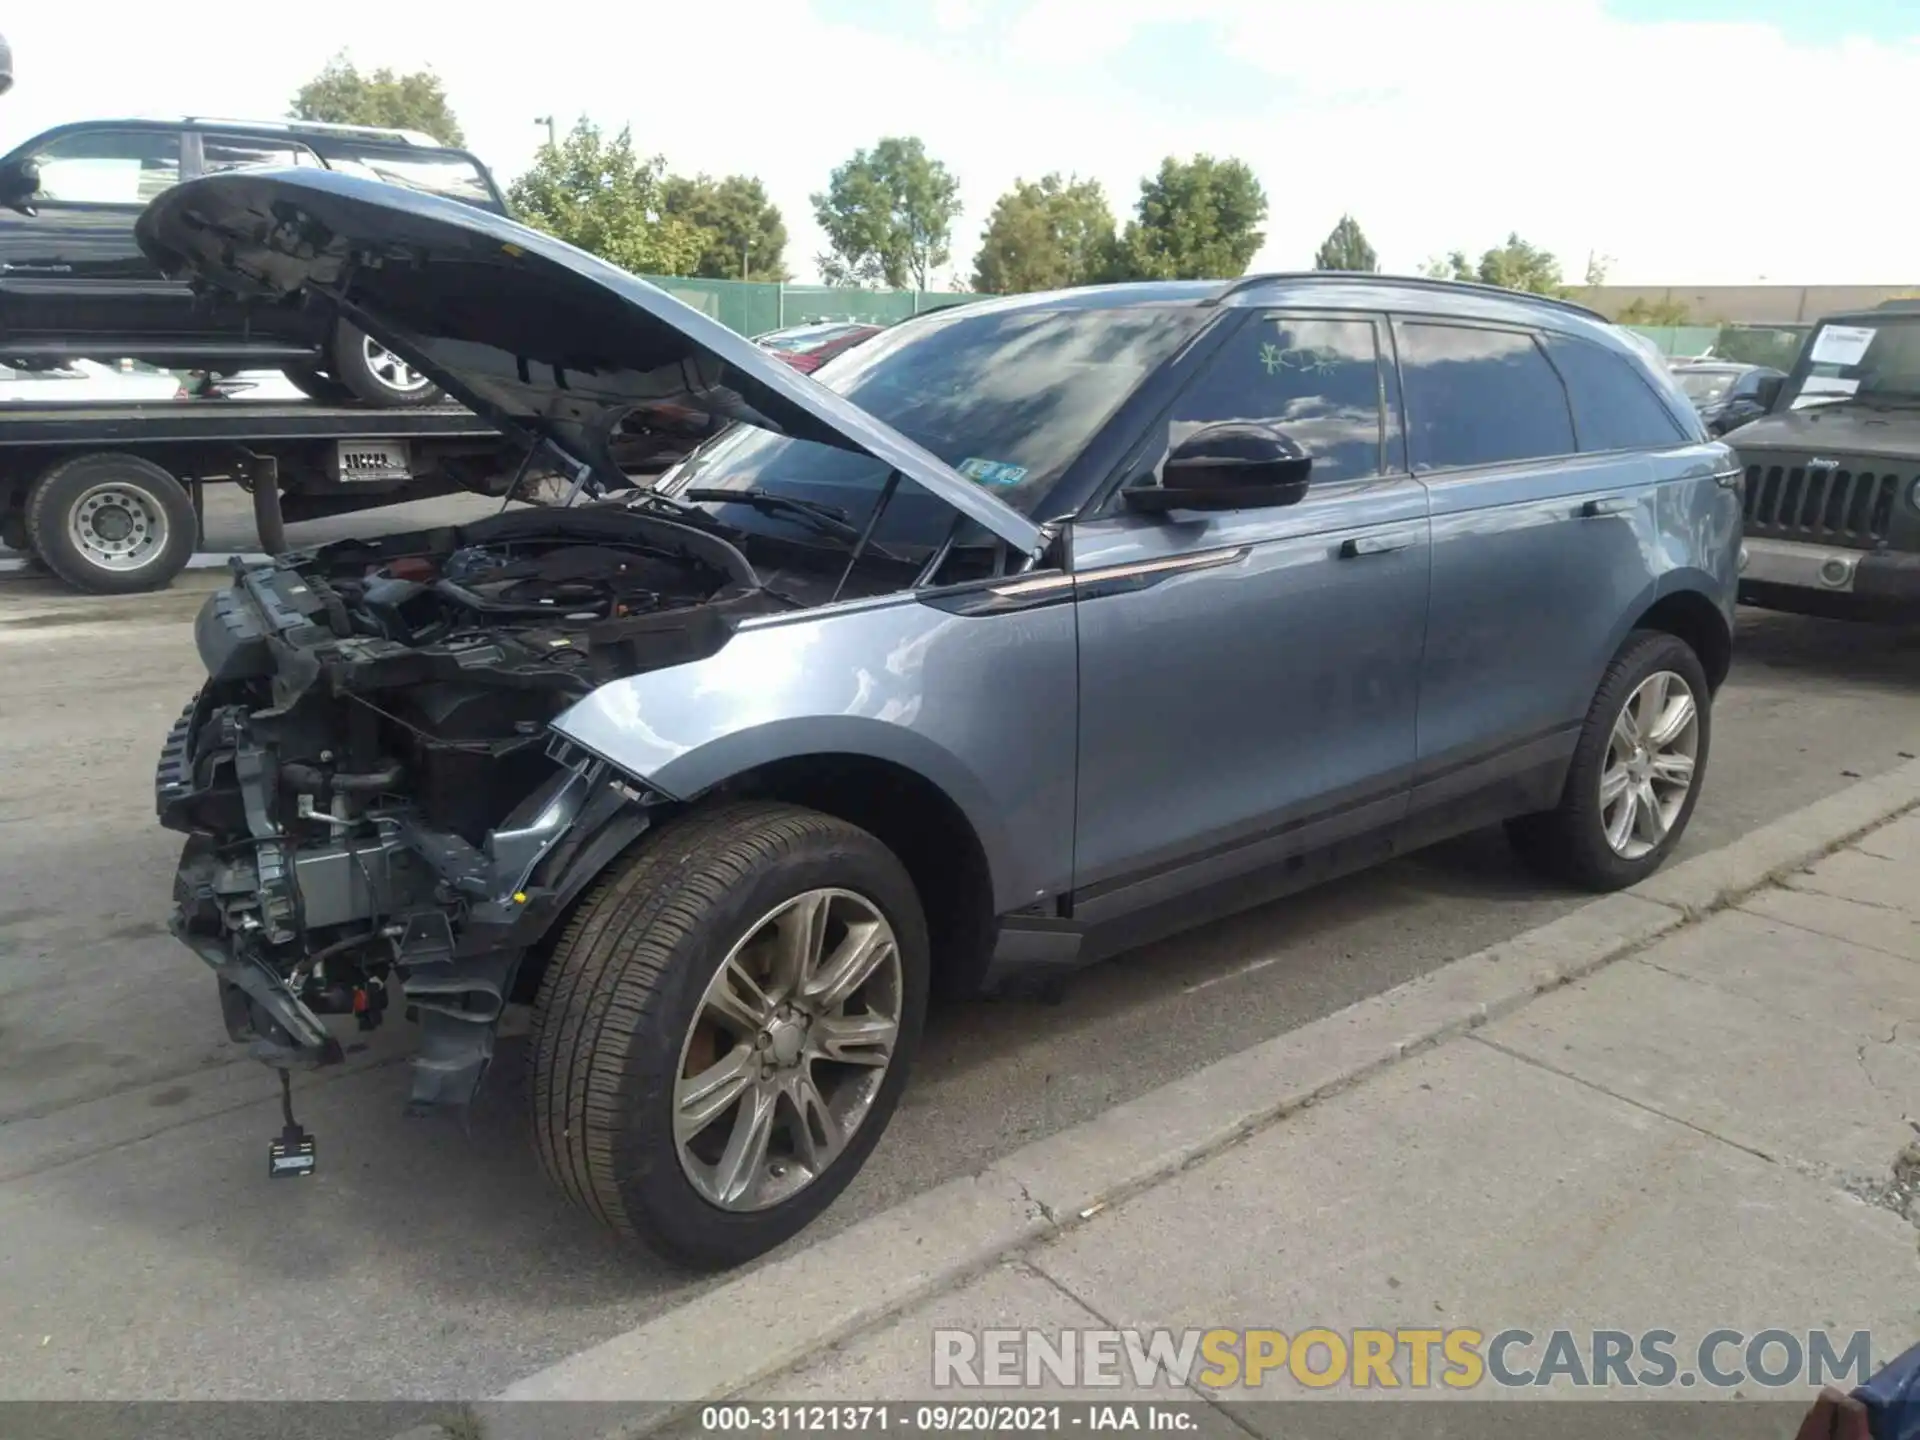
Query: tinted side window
[453,176]
[235,152]
[1317,380]
[108,167]
[1480,397]
[1613,408]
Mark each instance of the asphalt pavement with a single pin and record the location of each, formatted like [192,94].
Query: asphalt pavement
[143,1252]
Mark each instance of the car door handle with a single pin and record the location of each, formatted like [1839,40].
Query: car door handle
[1606,505]
[1382,544]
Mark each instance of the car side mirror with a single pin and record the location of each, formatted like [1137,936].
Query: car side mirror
[19,183]
[1769,391]
[1234,465]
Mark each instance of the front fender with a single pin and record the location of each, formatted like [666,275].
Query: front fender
[985,707]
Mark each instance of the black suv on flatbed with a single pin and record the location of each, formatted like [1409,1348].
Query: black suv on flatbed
[74,285]
[1832,474]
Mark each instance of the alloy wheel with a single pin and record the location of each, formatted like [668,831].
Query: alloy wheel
[787,1050]
[1649,771]
[391,371]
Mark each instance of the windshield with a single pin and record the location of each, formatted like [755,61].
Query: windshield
[1704,386]
[1008,398]
[1878,362]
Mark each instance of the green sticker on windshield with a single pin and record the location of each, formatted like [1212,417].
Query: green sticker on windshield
[992,472]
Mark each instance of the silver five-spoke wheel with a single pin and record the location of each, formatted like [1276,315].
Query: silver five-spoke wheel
[117,526]
[393,372]
[788,1047]
[1650,763]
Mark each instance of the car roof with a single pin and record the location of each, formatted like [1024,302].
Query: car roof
[1325,290]
[309,129]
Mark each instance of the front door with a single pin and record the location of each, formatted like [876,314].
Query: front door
[1249,678]
[73,273]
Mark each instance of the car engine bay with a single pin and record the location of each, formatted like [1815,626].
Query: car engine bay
[371,794]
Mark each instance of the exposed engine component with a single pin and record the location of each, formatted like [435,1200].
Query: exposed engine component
[369,770]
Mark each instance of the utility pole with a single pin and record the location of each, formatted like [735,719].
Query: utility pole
[746,251]
[553,136]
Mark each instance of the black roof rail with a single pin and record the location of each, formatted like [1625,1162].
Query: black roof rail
[1424,282]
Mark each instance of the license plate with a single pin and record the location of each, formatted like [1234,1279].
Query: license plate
[361,460]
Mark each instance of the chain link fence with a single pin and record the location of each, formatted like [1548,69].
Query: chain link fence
[753,307]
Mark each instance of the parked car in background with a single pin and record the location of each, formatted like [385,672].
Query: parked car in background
[1726,394]
[1832,473]
[808,347]
[1039,627]
[75,285]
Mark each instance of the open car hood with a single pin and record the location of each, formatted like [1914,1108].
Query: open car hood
[526,331]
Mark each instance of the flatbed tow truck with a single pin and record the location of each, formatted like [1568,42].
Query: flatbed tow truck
[109,496]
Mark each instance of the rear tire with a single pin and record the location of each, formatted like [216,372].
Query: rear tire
[1622,812]
[638,1006]
[317,385]
[373,375]
[111,524]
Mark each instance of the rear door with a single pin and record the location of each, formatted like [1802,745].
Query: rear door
[74,270]
[1544,543]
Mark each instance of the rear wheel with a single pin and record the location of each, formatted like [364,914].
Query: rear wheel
[111,524]
[1636,770]
[373,374]
[725,1028]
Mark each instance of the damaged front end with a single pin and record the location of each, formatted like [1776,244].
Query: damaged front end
[372,797]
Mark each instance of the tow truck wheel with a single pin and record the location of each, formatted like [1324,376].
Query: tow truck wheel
[374,375]
[725,1028]
[111,524]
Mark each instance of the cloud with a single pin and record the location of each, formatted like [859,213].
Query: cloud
[1692,152]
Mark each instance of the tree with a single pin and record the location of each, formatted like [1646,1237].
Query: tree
[1045,235]
[341,95]
[1346,248]
[1454,265]
[1517,265]
[888,214]
[597,194]
[1196,220]
[1657,313]
[743,236]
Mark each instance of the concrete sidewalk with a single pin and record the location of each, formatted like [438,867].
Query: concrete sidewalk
[1717,1131]
[1690,1108]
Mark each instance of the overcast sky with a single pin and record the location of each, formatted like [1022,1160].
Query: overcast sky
[1693,141]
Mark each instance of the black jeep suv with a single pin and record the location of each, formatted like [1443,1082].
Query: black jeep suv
[74,285]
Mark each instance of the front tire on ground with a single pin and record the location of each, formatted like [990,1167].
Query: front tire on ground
[111,524]
[725,1027]
[1636,771]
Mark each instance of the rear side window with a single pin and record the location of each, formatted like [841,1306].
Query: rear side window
[240,152]
[1613,407]
[452,176]
[1476,396]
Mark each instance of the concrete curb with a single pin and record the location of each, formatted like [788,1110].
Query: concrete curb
[764,1322]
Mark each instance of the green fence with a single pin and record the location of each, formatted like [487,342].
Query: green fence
[1774,345]
[754,307]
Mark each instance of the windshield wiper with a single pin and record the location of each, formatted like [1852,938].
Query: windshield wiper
[831,517]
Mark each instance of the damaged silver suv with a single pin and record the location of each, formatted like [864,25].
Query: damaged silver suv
[1028,630]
